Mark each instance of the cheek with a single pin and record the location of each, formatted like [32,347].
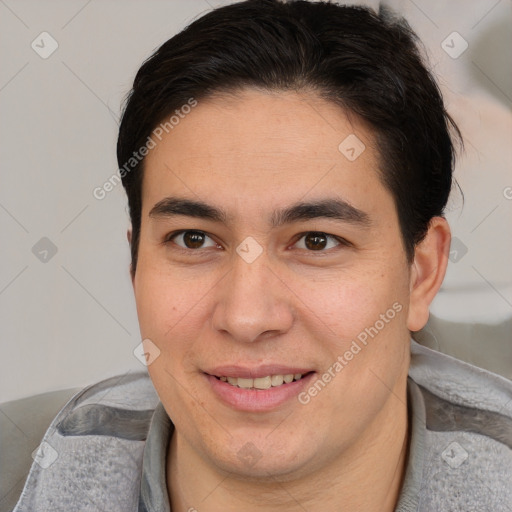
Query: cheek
[168,309]
[346,303]
[174,307]
[164,305]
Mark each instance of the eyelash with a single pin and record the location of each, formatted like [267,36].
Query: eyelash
[171,236]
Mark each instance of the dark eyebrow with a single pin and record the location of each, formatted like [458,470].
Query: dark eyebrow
[171,206]
[329,208]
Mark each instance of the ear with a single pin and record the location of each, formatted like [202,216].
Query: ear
[129,237]
[427,271]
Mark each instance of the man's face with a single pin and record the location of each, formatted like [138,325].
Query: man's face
[260,294]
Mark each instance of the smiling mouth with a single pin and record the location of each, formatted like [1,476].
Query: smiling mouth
[262,383]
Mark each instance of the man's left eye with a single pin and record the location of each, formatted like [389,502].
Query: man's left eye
[318,241]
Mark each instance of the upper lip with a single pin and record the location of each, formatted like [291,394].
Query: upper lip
[255,372]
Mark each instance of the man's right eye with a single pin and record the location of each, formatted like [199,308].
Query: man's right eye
[190,239]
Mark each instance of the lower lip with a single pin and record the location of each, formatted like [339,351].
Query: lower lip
[252,400]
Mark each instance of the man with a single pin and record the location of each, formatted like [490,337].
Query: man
[287,166]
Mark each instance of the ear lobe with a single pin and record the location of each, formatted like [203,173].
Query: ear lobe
[428,271]
[129,235]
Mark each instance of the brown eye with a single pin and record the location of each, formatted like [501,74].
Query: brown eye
[317,241]
[191,240]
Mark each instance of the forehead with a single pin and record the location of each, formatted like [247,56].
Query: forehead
[259,147]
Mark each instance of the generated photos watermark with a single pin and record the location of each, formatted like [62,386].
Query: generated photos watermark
[355,348]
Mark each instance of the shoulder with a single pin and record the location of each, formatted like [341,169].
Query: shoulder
[91,455]
[467,459]
[120,407]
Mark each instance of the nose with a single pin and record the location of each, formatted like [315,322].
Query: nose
[252,302]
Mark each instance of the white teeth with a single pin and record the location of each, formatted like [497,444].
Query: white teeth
[277,380]
[262,382]
[245,383]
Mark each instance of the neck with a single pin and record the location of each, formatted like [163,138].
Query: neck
[368,476]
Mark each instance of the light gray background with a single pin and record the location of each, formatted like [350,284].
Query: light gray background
[71,321]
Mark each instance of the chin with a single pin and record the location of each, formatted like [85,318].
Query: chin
[252,458]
